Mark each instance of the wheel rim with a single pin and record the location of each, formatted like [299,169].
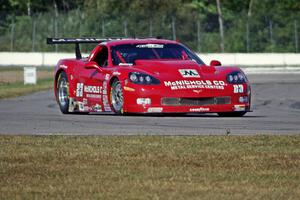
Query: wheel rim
[117,97]
[63,95]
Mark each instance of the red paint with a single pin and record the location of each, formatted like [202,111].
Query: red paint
[172,83]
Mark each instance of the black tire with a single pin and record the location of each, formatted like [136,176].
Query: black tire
[62,92]
[116,97]
[232,114]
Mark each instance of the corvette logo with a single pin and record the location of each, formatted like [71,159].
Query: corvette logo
[188,73]
[197,91]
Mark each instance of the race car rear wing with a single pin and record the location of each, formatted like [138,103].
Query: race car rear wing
[75,41]
[78,41]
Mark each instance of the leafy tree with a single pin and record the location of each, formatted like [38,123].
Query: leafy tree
[271,26]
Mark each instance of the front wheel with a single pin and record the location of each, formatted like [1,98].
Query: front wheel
[116,97]
[62,92]
[232,114]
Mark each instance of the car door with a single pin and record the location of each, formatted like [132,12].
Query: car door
[93,80]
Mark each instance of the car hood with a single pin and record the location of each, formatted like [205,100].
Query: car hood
[187,76]
[177,69]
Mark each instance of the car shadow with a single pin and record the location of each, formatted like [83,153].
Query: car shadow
[187,115]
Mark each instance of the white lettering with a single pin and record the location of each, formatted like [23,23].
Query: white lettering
[92,89]
[238,89]
[186,84]
[79,90]
[201,109]
[168,83]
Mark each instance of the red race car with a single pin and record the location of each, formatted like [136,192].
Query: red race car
[147,76]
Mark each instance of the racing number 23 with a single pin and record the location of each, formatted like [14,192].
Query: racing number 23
[238,88]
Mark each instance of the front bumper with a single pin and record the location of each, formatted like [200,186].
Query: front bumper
[183,101]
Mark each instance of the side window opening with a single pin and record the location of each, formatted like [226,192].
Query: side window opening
[102,57]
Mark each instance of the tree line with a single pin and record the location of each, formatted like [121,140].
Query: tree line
[203,25]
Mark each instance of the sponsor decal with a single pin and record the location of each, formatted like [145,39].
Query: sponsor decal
[80,106]
[189,73]
[200,84]
[239,108]
[87,108]
[106,104]
[125,64]
[129,89]
[201,109]
[244,99]
[76,40]
[116,73]
[107,108]
[63,66]
[150,46]
[71,105]
[79,90]
[155,110]
[104,87]
[84,101]
[83,107]
[125,81]
[105,99]
[106,77]
[97,108]
[95,96]
[92,89]
[238,89]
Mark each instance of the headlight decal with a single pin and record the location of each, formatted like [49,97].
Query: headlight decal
[142,79]
[236,77]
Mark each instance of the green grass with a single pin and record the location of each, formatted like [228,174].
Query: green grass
[149,167]
[19,89]
[11,81]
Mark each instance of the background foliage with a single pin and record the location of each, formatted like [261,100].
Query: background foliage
[272,24]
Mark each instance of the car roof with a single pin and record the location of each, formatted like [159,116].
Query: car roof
[138,41]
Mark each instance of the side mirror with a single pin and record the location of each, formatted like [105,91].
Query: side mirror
[214,63]
[92,65]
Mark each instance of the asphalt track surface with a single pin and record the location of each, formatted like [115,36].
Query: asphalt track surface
[276,110]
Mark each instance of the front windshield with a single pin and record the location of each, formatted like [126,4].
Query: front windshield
[129,53]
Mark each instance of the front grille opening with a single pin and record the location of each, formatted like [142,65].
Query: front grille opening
[169,101]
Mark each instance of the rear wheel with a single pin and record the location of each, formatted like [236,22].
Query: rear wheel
[116,97]
[62,92]
[232,114]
